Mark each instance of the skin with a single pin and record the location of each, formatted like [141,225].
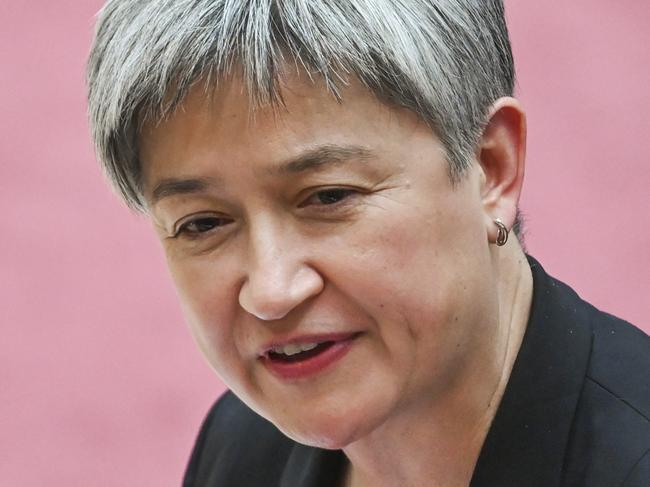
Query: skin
[379,243]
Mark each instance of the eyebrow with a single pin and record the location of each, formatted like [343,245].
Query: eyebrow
[324,155]
[172,186]
[312,159]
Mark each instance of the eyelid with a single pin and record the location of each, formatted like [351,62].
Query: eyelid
[313,192]
[178,225]
[350,194]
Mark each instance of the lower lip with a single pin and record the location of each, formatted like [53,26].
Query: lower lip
[310,366]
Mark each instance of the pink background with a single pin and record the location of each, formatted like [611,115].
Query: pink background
[100,383]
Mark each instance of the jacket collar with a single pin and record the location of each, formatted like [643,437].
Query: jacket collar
[529,435]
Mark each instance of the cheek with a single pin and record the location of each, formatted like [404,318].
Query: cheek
[423,271]
[209,305]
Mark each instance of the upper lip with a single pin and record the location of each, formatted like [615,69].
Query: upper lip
[311,338]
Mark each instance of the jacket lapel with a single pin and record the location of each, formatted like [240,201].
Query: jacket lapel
[528,439]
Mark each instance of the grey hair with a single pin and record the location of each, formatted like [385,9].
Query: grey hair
[446,60]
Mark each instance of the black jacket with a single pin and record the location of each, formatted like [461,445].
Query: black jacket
[575,413]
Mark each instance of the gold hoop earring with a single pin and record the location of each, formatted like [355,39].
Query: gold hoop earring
[502,233]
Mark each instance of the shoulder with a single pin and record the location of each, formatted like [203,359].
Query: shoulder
[620,362]
[608,362]
[619,352]
[611,432]
[237,445]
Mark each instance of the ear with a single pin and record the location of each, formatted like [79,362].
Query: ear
[501,154]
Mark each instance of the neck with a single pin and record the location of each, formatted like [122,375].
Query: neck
[437,442]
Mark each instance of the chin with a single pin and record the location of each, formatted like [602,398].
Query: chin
[331,430]
[336,437]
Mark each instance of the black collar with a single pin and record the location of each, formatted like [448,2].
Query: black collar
[529,435]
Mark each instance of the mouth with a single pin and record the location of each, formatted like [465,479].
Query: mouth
[306,356]
[298,352]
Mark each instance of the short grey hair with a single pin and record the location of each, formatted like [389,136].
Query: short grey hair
[446,60]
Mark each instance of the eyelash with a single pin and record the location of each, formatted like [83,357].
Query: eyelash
[214,222]
[337,196]
[342,193]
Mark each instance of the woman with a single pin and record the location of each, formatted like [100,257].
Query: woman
[334,185]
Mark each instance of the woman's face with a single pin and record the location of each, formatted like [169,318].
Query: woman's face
[331,228]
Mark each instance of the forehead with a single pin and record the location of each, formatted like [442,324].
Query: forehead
[221,126]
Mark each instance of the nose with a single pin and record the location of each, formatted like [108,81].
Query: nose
[278,280]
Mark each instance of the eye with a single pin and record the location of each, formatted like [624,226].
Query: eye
[329,197]
[195,227]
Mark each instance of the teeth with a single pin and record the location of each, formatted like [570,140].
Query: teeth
[294,348]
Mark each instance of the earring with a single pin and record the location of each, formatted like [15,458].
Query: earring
[502,233]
